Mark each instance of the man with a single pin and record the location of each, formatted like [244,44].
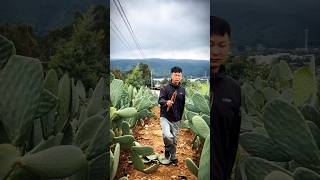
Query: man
[225,102]
[172,101]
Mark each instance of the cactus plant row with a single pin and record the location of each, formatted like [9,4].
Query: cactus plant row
[280,129]
[44,122]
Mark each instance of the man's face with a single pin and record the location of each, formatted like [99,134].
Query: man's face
[219,48]
[176,77]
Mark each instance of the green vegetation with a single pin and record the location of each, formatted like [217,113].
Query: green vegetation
[50,127]
[280,125]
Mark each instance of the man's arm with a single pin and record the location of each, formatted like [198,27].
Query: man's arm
[183,104]
[162,97]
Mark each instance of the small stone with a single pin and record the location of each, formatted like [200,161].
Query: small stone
[173,177]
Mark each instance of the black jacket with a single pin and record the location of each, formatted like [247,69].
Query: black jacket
[175,112]
[225,118]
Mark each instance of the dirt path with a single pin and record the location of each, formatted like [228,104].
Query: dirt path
[151,135]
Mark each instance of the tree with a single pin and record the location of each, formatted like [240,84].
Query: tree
[23,37]
[117,73]
[134,77]
[139,76]
[82,56]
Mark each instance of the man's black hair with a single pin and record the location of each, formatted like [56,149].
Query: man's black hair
[176,69]
[219,26]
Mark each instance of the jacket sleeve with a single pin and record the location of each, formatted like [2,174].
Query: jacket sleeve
[183,104]
[233,138]
[162,97]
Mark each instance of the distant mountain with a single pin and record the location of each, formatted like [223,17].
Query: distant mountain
[44,15]
[161,67]
[273,23]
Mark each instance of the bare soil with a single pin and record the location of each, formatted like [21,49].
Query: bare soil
[150,134]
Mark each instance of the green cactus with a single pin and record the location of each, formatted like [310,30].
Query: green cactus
[7,50]
[200,127]
[37,135]
[247,88]
[315,130]
[188,115]
[64,95]
[87,131]
[270,93]
[45,144]
[152,168]
[258,98]
[302,173]
[142,150]
[116,88]
[192,167]
[21,85]
[75,100]
[202,104]
[204,166]
[259,83]
[311,113]
[125,141]
[287,95]
[288,129]
[98,143]
[125,128]
[81,91]
[97,100]
[196,142]
[258,168]
[8,155]
[127,112]
[47,107]
[82,173]
[137,162]
[246,121]
[36,117]
[20,173]
[261,146]
[51,82]
[280,72]
[304,85]
[55,162]
[278,175]
[98,167]
[90,93]
[115,161]
[141,102]
[144,113]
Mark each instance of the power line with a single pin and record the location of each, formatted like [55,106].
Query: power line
[137,40]
[119,37]
[128,25]
[126,22]
[119,34]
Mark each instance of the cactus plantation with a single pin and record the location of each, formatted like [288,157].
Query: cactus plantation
[280,127]
[49,127]
[129,107]
[197,118]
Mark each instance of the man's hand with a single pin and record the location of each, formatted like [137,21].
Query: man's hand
[169,103]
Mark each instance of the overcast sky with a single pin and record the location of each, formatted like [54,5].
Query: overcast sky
[172,29]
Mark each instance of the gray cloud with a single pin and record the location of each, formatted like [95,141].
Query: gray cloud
[165,28]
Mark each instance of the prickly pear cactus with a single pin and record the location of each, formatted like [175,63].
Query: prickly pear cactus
[280,140]
[46,135]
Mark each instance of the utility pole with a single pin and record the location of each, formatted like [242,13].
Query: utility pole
[151,78]
[306,34]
